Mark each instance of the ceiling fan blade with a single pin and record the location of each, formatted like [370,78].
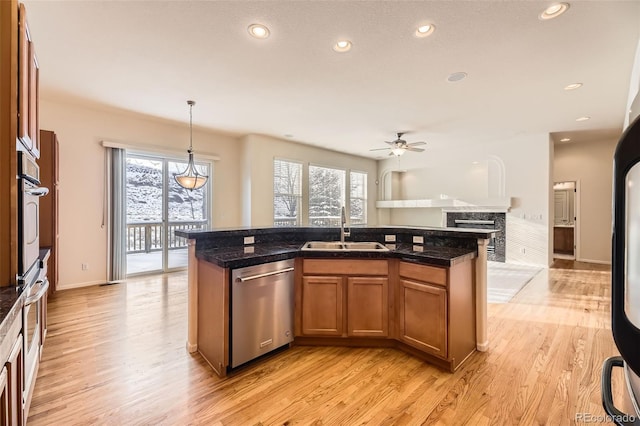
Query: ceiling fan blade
[410,148]
[379,149]
[390,143]
[417,143]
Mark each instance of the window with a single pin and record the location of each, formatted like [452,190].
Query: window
[358,200]
[329,190]
[287,193]
[326,195]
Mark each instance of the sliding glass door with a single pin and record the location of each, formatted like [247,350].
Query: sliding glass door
[156,207]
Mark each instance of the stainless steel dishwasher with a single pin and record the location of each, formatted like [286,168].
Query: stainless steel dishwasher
[261,310]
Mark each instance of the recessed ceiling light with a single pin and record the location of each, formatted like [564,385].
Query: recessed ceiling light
[425,30]
[554,11]
[573,86]
[475,162]
[583,118]
[565,139]
[258,31]
[342,46]
[288,135]
[456,76]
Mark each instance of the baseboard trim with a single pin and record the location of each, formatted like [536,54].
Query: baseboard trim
[482,347]
[601,262]
[78,285]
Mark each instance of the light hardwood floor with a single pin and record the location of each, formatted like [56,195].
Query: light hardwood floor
[115,355]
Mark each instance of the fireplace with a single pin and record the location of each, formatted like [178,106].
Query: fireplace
[483,220]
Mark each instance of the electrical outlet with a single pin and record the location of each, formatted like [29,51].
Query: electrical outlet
[249,240]
[85,266]
[418,239]
[389,238]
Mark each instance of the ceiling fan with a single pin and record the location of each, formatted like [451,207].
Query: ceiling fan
[399,146]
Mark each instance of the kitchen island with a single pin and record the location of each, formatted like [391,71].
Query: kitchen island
[426,294]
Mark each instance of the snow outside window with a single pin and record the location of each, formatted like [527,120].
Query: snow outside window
[358,200]
[326,195]
[287,193]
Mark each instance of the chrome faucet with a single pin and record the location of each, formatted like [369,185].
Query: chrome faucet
[344,230]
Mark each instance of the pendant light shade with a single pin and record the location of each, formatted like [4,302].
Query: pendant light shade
[191,179]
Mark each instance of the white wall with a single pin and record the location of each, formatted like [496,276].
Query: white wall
[80,130]
[258,153]
[242,179]
[591,165]
[527,179]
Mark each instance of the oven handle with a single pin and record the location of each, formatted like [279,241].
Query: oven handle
[39,191]
[267,274]
[44,286]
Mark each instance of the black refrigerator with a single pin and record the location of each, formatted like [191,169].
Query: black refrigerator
[625,279]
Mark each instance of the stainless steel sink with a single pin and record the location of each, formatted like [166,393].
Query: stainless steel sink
[365,246]
[347,246]
[323,245]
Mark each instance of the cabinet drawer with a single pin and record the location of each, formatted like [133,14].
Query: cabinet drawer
[345,267]
[425,273]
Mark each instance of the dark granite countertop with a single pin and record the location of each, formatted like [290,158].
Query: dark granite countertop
[309,232]
[11,301]
[241,256]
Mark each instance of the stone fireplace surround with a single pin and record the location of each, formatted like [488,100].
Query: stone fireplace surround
[498,254]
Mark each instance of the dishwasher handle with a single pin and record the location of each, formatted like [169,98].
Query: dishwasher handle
[266,274]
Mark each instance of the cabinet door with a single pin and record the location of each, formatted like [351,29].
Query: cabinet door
[4,398]
[24,40]
[34,95]
[28,87]
[367,306]
[423,316]
[15,379]
[322,307]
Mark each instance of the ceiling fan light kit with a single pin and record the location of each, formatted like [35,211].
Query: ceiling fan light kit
[399,146]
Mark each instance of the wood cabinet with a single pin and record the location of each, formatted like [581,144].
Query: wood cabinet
[437,310]
[49,204]
[563,240]
[322,307]
[8,137]
[15,376]
[4,398]
[213,315]
[12,375]
[368,306]
[19,115]
[423,314]
[28,87]
[327,284]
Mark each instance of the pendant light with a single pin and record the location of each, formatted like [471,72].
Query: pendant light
[191,179]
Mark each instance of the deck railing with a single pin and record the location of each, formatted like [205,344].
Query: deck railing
[145,237]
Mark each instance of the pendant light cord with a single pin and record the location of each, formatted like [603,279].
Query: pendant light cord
[191,104]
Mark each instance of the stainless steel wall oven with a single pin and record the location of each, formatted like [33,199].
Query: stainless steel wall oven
[31,274]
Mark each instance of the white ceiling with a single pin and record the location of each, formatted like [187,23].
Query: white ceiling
[151,56]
